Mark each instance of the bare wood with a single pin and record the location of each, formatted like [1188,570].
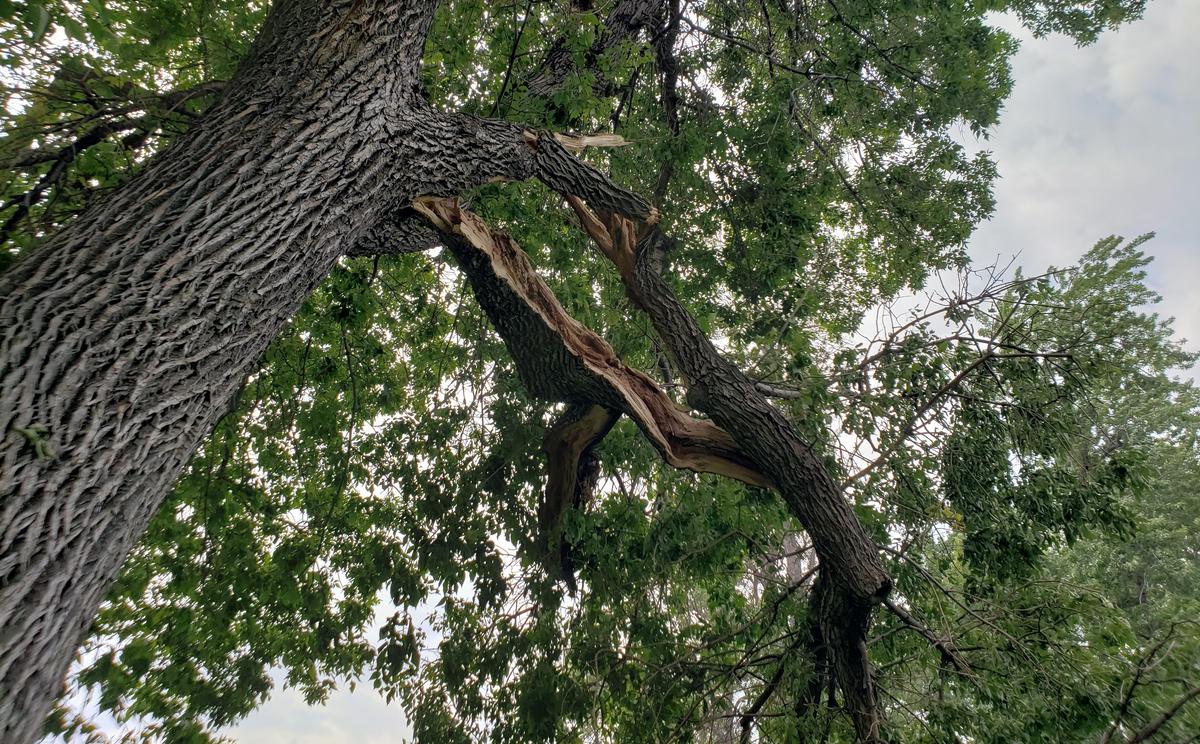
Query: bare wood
[572,470]
[852,579]
[682,440]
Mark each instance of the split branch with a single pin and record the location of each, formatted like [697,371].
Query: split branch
[573,471]
[559,358]
[852,579]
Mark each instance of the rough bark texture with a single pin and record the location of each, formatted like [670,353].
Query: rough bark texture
[558,358]
[402,232]
[853,579]
[572,471]
[125,336]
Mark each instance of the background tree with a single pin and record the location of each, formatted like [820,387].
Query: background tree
[387,444]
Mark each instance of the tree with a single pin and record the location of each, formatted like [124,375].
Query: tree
[348,130]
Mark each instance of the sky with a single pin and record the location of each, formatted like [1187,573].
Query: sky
[1095,141]
[1105,140]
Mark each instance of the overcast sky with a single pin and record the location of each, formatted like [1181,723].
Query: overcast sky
[1106,140]
[1093,142]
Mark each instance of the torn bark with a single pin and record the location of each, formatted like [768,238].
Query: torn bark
[559,358]
[572,473]
[126,336]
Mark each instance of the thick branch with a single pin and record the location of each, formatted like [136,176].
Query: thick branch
[125,336]
[459,152]
[559,358]
[853,579]
[573,470]
[567,174]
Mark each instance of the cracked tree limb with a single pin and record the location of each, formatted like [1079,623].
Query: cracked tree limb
[852,579]
[559,358]
[573,470]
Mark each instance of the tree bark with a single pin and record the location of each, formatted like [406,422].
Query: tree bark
[852,578]
[124,338]
[560,359]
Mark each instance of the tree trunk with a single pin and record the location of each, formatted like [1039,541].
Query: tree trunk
[124,338]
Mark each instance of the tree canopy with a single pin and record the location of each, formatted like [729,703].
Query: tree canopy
[375,507]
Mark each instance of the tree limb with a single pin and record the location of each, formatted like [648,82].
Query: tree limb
[404,232]
[944,646]
[559,358]
[853,579]
[624,23]
[1152,728]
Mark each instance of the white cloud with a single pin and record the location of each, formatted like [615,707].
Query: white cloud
[1094,141]
[1103,140]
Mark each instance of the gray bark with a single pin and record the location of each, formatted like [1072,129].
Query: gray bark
[624,22]
[852,579]
[558,359]
[124,338]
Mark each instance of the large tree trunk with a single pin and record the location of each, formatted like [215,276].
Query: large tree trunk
[125,337]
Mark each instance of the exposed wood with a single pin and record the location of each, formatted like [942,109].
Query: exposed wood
[577,143]
[572,470]
[852,580]
[124,337]
[683,440]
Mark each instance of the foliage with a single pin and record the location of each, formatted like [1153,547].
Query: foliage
[366,512]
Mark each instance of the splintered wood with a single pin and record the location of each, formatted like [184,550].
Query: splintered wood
[682,440]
